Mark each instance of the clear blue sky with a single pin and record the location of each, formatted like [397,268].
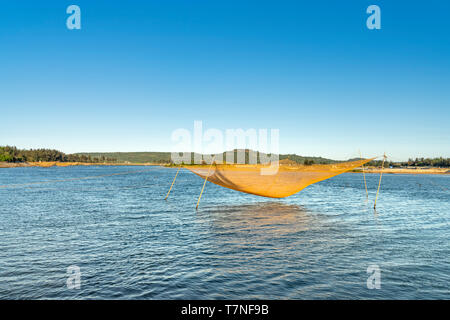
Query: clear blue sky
[138,70]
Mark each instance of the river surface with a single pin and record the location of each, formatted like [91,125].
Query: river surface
[129,243]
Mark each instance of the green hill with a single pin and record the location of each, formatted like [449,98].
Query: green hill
[133,157]
[165,157]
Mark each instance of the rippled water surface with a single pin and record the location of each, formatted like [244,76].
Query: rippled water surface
[129,243]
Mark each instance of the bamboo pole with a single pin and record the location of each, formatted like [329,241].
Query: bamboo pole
[204,183]
[379,182]
[172,184]
[364,176]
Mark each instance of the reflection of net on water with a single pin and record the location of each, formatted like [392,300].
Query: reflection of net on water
[262,219]
[288,180]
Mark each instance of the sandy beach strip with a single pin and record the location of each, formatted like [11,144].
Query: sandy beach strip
[418,170]
[68,164]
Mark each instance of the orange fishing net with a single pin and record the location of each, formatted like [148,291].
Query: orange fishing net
[288,180]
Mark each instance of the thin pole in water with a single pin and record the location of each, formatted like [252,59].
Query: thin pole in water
[204,183]
[379,182]
[364,176]
[172,184]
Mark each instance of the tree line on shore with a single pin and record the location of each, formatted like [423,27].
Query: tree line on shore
[13,154]
[428,162]
[418,162]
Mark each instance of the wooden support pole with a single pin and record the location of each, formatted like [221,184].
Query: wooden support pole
[364,176]
[172,184]
[204,183]
[379,182]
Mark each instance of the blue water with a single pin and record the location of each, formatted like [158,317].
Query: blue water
[131,244]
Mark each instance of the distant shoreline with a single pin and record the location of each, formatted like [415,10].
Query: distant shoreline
[418,170]
[50,164]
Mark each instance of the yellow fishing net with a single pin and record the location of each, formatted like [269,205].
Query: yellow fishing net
[288,180]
